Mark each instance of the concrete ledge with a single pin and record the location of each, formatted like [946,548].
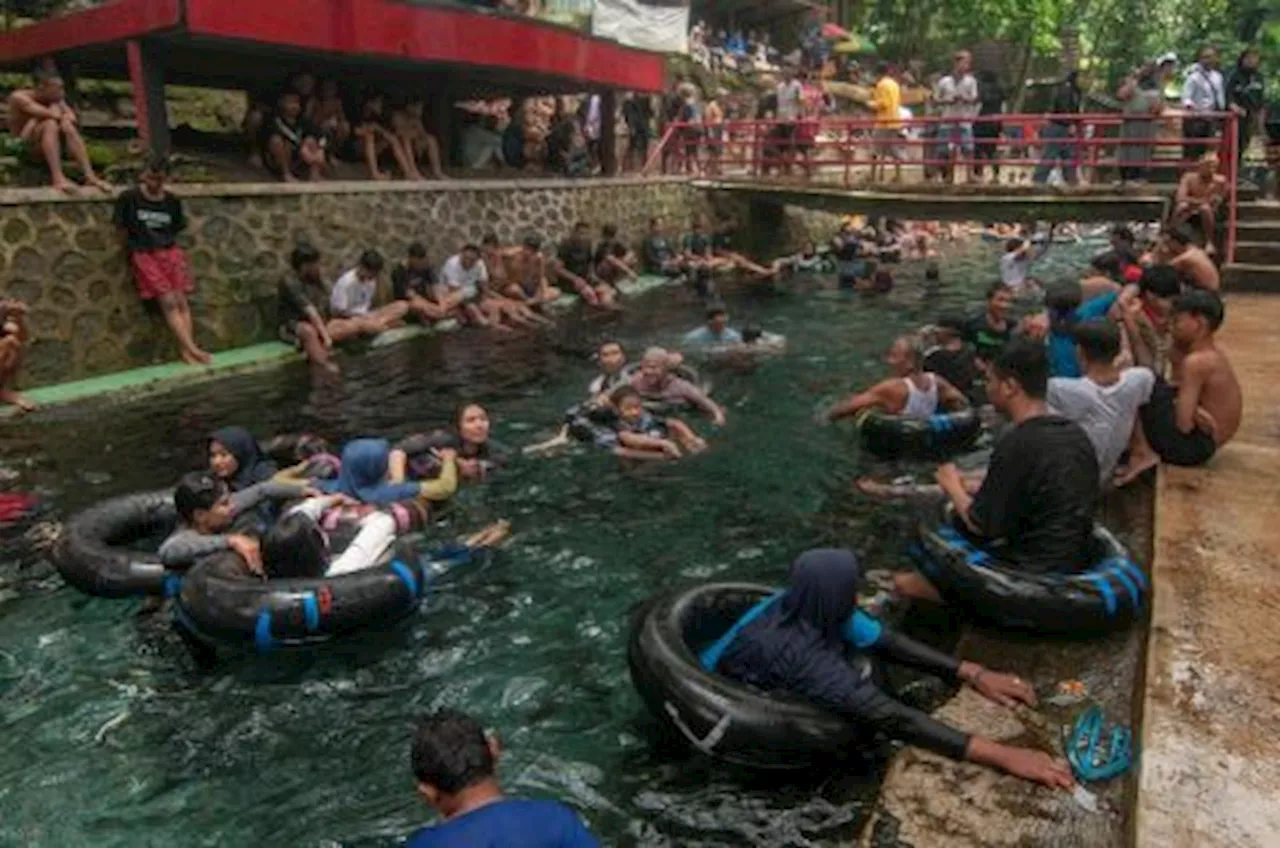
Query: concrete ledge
[157,379]
[21,196]
[1210,773]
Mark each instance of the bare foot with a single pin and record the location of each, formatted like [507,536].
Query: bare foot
[331,367]
[1135,469]
[23,403]
[65,186]
[99,183]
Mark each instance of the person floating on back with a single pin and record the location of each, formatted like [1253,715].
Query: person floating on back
[1199,411]
[454,764]
[148,219]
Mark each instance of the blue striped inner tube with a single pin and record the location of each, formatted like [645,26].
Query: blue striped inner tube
[311,611]
[263,640]
[407,578]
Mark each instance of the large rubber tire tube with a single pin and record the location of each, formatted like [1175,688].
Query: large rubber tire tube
[270,614]
[716,715]
[1109,595]
[934,438]
[94,555]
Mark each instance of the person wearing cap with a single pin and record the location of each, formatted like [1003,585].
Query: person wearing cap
[1203,94]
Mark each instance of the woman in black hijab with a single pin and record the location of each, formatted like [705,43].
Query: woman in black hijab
[799,643]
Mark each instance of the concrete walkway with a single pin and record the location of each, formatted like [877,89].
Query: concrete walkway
[1211,731]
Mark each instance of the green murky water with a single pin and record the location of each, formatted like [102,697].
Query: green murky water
[312,749]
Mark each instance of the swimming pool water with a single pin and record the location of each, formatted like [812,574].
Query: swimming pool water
[110,737]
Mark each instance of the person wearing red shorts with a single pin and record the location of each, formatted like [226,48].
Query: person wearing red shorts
[149,220]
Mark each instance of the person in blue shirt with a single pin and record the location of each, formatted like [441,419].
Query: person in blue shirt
[453,762]
[1066,309]
[715,332]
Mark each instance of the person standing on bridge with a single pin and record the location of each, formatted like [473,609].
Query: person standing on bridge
[1061,132]
[1203,94]
[957,96]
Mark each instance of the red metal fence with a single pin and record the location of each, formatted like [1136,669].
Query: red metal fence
[1093,148]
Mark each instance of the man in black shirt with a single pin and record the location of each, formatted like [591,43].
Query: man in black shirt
[1036,506]
[952,359]
[991,330]
[149,218]
[414,282]
[303,309]
[573,264]
[657,254]
[291,144]
[637,111]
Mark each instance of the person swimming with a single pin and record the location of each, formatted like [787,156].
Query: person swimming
[367,477]
[298,546]
[642,435]
[798,642]
[418,456]
[236,458]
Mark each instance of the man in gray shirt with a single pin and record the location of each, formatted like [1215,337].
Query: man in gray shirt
[956,95]
[1203,94]
[1105,401]
[205,512]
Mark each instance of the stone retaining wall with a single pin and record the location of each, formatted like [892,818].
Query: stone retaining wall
[62,257]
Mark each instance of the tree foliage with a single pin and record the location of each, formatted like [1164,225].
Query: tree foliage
[1112,36]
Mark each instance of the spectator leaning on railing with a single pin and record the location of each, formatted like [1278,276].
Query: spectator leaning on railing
[1203,94]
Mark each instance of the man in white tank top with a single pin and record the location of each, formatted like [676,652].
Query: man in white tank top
[911,392]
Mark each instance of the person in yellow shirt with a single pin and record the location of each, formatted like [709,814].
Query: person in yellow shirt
[886,103]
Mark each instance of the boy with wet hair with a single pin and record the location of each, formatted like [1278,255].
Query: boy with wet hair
[643,436]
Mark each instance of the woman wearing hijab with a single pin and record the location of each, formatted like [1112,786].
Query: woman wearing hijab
[364,476]
[796,641]
[236,458]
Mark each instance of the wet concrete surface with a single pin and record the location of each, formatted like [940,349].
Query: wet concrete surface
[1211,736]
[929,801]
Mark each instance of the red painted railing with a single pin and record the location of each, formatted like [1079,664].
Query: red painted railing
[827,150]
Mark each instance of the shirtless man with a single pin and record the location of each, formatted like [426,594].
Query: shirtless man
[1187,420]
[421,145]
[1194,267]
[528,281]
[327,112]
[1200,192]
[910,392]
[40,117]
[495,299]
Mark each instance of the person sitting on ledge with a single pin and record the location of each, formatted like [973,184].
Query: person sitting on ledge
[1201,191]
[722,249]
[495,302]
[303,320]
[13,344]
[353,294]
[1146,316]
[610,247]
[148,219]
[376,141]
[799,643]
[528,283]
[1041,489]
[912,392]
[1195,269]
[1199,411]
[414,283]
[421,145]
[458,291]
[658,256]
[716,330]
[291,144]
[573,265]
[41,119]
[328,113]
[453,763]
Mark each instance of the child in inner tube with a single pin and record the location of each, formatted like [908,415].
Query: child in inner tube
[642,436]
